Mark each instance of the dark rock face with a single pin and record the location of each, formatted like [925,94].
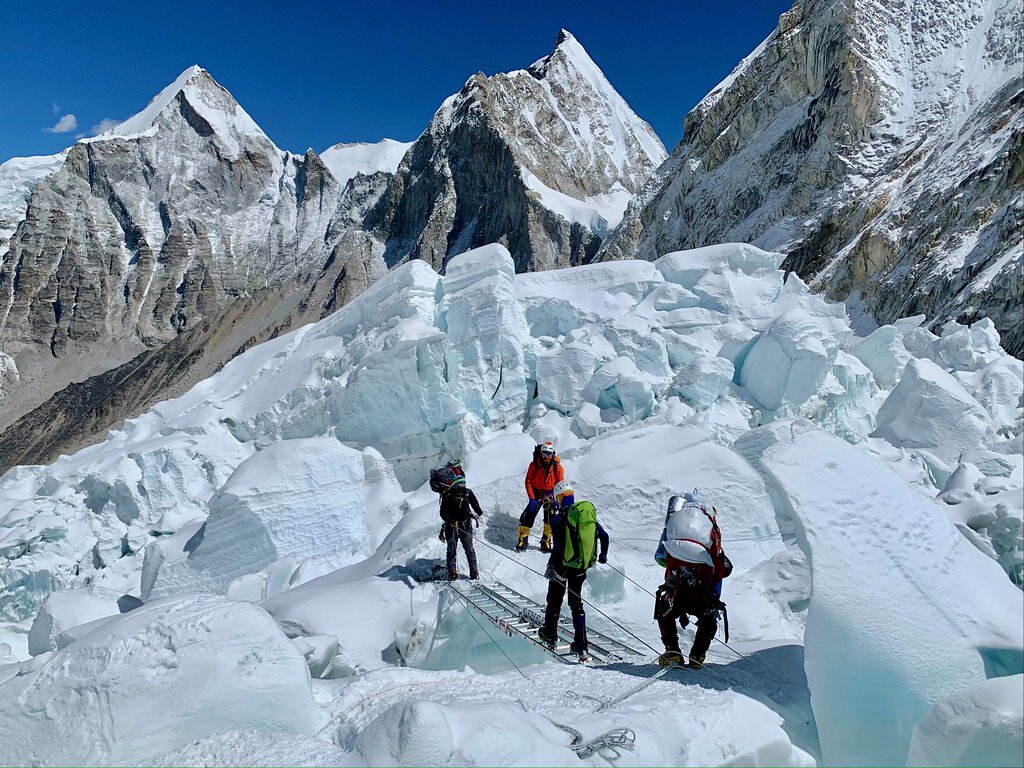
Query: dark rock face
[855,141]
[501,162]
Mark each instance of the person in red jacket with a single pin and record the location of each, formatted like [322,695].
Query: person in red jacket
[544,472]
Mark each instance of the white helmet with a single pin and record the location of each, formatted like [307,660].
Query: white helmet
[562,489]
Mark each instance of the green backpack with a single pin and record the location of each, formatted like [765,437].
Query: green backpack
[580,536]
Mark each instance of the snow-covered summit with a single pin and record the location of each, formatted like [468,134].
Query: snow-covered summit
[543,160]
[204,98]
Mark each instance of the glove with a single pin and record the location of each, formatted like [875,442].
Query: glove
[603,558]
[441,536]
[476,520]
[533,504]
[552,575]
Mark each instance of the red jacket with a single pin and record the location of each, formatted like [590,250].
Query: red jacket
[539,478]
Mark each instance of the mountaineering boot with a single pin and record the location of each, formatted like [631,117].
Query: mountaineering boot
[474,574]
[670,659]
[579,644]
[453,574]
[547,636]
[545,539]
[696,661]
[524,538]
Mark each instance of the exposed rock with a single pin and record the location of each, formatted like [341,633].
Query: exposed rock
[878,143]
[503,161]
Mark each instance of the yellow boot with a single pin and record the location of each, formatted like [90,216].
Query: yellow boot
[524,538]
[545,539]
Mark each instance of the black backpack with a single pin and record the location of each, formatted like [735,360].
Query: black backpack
[444,478]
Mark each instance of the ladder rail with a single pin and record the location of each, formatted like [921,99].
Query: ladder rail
[517,615]
[606,646]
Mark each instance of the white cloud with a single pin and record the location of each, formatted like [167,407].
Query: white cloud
[66,124]
[104,125]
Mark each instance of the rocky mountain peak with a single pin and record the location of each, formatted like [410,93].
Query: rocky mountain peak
[874,142]
[542,160]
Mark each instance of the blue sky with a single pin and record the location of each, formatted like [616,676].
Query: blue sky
[312,74]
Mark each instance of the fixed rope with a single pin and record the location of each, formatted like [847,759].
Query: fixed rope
[533,570]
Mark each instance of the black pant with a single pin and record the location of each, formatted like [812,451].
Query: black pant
[454,533]
[668,608]
[574,579]
[529,515]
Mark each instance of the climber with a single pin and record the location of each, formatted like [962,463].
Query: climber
[544,472]
[690,550]
[575,536]
[460,511]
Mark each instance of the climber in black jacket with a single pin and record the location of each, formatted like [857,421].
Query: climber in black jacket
[460,511]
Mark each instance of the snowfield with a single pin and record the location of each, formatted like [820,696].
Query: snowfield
[246,575]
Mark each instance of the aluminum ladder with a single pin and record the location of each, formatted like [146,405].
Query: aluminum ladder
[518,616]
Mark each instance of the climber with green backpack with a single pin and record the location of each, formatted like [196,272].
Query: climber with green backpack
[575,536]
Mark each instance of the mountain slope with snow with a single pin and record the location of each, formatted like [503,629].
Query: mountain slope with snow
[707,368]
[149,229]
[877,144]
[542,160]
[187,236]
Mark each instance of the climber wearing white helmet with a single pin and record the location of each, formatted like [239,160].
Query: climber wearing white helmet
[690,550]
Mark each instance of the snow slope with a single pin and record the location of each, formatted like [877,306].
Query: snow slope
[651,378]
[347,160]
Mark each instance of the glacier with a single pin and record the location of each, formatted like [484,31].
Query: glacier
[264,547]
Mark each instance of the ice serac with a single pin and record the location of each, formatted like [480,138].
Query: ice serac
[301,499]
[65,610]
[877,145]
[904,611]
[154,680]
[485,333]
[930,409]
[982,725]
[541,160]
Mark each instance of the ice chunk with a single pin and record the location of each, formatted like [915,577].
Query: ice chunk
[686,268]
[788,362]
[930,409]
[67,609]
[703,380]
[963,348]
[620,385]
[850,411]
[319,651]
[904,611]
[485,331]
[562,373]
[298,498]
[215,664]
[882,351]
[982,725]
[999,389]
